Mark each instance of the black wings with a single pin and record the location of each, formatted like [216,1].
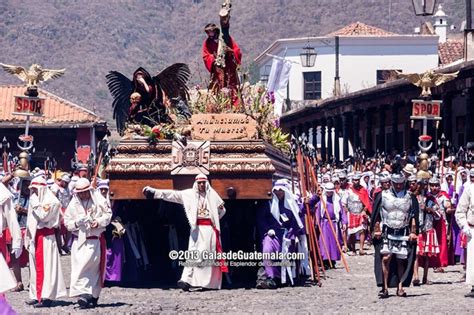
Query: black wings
[173,79]
[121,88]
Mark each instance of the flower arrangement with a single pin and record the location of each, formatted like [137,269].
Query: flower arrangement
[158,132]
[253,101]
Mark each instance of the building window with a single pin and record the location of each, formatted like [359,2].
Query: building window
[384,76]
[312,85]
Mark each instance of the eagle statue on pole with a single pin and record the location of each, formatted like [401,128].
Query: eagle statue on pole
[427,80]
[33,76]
[141,99]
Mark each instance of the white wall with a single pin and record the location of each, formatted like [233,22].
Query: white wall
[325,62]
[359,59]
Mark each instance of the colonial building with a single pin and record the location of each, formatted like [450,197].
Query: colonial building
[63,127]
[362,56]
[376,116]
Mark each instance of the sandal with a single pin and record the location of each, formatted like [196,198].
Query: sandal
[383,294]
[401,293]
[427,282]
[19,288]
[416,282]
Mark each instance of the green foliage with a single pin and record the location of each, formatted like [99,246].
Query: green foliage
[158,132]
[252,100]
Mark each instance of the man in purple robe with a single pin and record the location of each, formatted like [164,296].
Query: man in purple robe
[115,252]
[282,224]
[332,203]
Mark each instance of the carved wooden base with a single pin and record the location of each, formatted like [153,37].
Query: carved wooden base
[237,169]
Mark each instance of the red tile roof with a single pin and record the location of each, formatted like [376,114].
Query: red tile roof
[57,111]
[360,29]
[450,51]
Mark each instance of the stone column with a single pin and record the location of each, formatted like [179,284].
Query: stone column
[315,134]
[329,148]
[323,140]
[337,133]
[346,127]
[307,127]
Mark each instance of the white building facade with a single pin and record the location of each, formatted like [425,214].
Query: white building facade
[365,60]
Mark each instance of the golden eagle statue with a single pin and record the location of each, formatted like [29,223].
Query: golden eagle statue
[34,75]
[427,80]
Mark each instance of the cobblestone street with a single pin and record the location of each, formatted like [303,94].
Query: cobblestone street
[340,293]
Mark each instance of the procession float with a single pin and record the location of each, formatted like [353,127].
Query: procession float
[239,149]
[169,133]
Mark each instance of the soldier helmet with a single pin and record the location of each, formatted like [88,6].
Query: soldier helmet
[398,178]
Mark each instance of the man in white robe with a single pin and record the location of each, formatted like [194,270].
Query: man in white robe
[203,208]
[46,277]
[8,218]
[465,220]
[86,217]
[61,191]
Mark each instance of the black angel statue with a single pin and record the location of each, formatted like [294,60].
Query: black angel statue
[141,100]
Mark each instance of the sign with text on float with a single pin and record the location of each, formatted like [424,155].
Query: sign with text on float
[29,106]
[227,126]
[426,109]
[190,159]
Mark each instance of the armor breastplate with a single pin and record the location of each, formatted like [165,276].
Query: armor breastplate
[354,205]
[426,219]
[395,211]
[441,199]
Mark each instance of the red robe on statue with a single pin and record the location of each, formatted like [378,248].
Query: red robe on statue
[222,77]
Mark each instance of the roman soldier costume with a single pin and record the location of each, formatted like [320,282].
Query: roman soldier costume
[394,219]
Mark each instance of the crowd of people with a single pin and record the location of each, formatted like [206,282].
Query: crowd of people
[43,218]
[415,220]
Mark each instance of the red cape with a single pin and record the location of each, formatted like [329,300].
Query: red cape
[363,195]
[440,260]
[442,234]
[228,76]
[442,192]
[209,51]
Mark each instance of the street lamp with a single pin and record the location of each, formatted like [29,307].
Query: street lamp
[424,7]
[308,56]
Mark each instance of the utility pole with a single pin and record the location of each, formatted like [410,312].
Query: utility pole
[468,33]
